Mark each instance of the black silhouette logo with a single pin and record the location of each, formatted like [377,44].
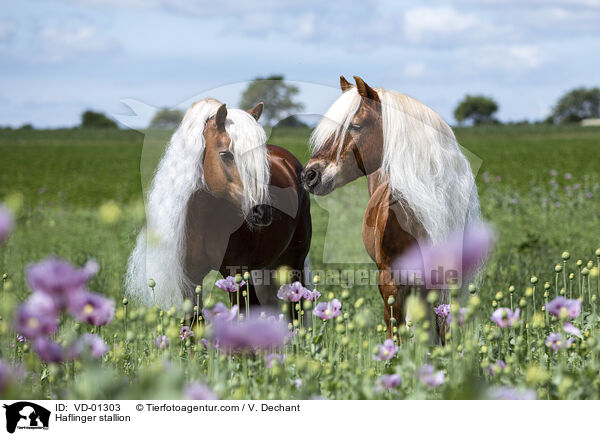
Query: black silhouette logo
[26,415]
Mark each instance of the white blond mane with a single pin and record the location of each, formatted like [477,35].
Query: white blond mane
[422,160]
[160,246]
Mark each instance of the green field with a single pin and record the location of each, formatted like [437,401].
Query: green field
[61,179]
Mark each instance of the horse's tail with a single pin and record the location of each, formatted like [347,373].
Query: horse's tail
[136,283]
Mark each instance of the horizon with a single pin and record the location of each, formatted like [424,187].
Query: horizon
[60,57]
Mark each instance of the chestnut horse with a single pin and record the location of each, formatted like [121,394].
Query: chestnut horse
[221,199]
[420,184]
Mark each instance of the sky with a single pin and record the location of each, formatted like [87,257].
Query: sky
[61,57]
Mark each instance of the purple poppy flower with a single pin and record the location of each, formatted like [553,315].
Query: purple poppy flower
[7,222]
[508,393]
[553,173]
[313,295]
[577,186]
[228,284]
[499,364]
[185,332]
[571,329]
[274,357]
[208,344]
[199,391]
[588,195]
[9,373]
[329,310]
[556,342]
[430,377]
[562,307]
[59,279]
[37,317]
[96,345]
[292,292]
[221,312]
[254,333]
[460,316]
[298,383]
[568,176]
[388,382]
[505,317]
[162,342]
[387,350]
[462,251]
[442,311]
[92,308]
[49,351]
[21,338]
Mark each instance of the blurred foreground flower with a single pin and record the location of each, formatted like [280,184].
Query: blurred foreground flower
[272,358]
[162,342]
[388,382]
[199,391]
[92,308]
[329,310]
[564,308]
[254,333]
[91,342]
[387,350]
[7,223]
[508,393]
[220,312]
[49,351]
[9,373]
[429,376]
[37,317]
[504,317]
[556,342]
[59,279]
[461,253]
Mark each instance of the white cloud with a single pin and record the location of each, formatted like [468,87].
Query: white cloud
[430,23]
[414,70]
[58,43]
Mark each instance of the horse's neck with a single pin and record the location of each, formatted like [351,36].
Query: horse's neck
[375,180]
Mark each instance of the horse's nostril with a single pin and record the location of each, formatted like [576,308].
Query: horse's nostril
[311,177]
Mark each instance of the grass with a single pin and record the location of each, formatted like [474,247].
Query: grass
[62,179]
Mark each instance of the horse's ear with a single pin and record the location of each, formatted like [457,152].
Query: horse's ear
[365,90]
[257,110]
[344,84]
[221,116]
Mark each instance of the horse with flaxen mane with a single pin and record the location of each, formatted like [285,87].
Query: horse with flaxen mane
[420,184]
[221,199]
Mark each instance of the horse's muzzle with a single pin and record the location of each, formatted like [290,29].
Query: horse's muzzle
[260,215]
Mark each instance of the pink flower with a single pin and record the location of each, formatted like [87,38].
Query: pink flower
[329,310]
[504,317]
[387,350]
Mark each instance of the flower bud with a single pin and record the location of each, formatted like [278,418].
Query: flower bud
[125,301]
[198,289]
[151,283]
[533,280]
[566,255]
[246,276]
[598,252]
[472,288]
[558,267]
[316,279]
[238,278]
[391,300]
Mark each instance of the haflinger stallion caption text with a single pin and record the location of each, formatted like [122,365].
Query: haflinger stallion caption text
[277,417]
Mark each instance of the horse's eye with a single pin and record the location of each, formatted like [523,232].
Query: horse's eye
[227,156]
[355,127]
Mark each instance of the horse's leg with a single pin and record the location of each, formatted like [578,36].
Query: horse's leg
[389,288]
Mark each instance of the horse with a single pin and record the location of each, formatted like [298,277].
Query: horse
[221,199]
[420,184]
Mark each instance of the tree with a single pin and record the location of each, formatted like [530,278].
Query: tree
[576,105]
[97,120]
[277,96]
[478,108]
[166,119]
